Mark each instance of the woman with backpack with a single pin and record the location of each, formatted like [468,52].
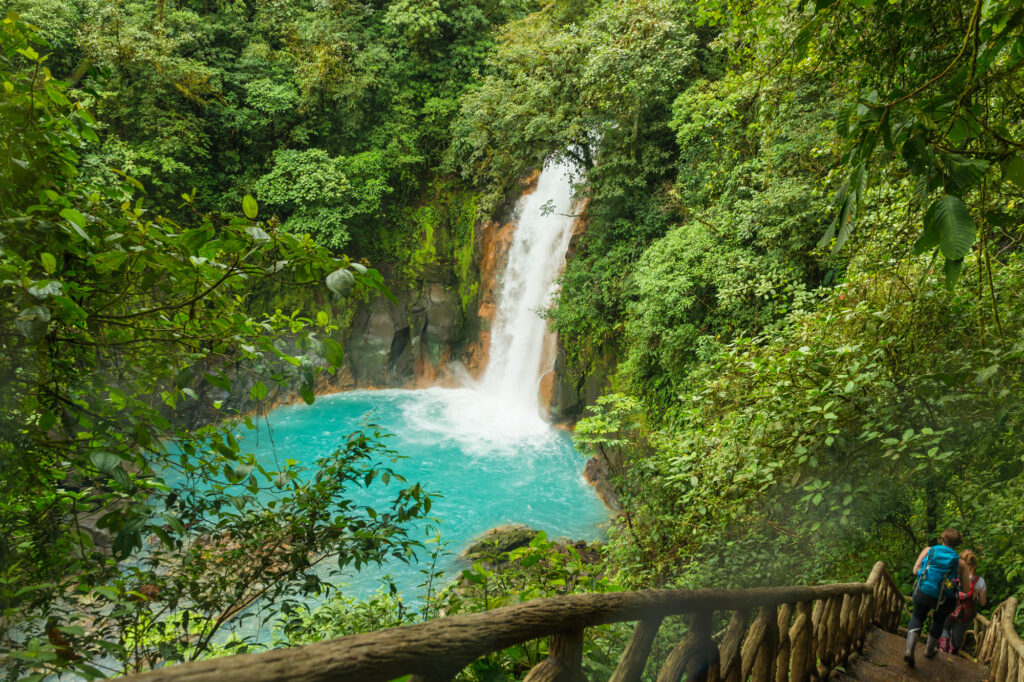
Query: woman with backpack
[972,595]
[937,568]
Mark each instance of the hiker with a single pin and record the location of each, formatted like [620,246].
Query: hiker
[976,594]
[937,568]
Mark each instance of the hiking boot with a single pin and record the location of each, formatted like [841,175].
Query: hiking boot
[911,643]
[931,648]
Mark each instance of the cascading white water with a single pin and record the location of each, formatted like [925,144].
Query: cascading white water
[537,254]
[499,414]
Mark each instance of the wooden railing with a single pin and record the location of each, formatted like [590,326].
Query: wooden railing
[780,634]
[1000,646]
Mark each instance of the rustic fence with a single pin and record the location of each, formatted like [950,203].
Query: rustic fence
[1000,646]
[777,634]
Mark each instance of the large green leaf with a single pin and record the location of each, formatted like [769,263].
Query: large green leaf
[928,240]
[333,352]
[966,173]
[218,381]
[951,219]
[250,207]
[258,391]
[952,270]
[105,461]
[77,221]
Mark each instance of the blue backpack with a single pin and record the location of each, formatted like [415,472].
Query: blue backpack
[938,571]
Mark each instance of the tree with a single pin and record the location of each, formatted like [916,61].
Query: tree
[113,320]
[324,196]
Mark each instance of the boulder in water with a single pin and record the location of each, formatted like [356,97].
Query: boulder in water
[497,541]
[492,547]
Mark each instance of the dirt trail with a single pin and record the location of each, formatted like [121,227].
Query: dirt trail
[882,661]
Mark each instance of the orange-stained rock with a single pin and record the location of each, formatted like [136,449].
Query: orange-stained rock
[478,355]
[486,312]
[579,225]
[428,374]
[495,240]
[529,182]
[547,389]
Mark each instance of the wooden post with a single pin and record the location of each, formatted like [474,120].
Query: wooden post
[895,610]
[703,663]
[880,616]
[856,631]
[821,629]
[997,650]
[836,630]
[989,639]
[634,658]
[802,637]
[846,618]
[763,669]
[833,632]
[1001,666]
[564,662]
[696,656]
[817,615]
[782,657]
[729,649]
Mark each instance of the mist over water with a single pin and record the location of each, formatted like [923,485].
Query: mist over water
[485,448]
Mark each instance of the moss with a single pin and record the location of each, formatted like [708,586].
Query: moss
[464,239]
[427,219]
[440,231]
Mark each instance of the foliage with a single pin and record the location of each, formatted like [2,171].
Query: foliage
[611,428]
[234,98]
[768,188]
[952,114]
[541,569]
[570,80]
[854,421]
[322,196]
[115,319]
[338,616]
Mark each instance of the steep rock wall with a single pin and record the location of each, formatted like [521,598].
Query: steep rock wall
[444,279]
[574,384]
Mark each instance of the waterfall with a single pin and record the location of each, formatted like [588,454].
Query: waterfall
[521,344]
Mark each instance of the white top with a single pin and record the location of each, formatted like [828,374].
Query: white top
[979,587]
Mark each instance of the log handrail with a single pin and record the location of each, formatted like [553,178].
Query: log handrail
[777,633]
[999,644]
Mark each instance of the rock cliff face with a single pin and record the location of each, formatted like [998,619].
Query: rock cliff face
[413,341]
[438,331]
[432,335]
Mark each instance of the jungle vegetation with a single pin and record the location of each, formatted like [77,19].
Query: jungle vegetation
[800,275]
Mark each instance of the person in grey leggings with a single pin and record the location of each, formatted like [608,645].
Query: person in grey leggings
[935,567]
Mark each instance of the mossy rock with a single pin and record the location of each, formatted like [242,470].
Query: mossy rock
[490,546]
